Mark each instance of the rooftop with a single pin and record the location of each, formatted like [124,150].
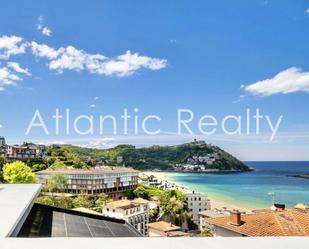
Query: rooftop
[126,204]
[288,222]
[163,226]
[16,201]
[90,171]
[213,213]
[46,221]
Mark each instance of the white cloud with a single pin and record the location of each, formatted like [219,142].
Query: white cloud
[96,98]
[92,106]
[7,78]
[287,81]
[42,50]
[44,29]
[17,68]
[127,64]
[307,11]
[71,58]
[11,45]
[105,142]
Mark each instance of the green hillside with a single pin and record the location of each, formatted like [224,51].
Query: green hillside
[161,157]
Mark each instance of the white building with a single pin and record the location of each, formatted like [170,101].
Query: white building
[197,202]
[205,215]
[135,212]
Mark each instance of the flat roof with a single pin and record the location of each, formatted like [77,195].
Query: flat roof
[90,171]
[16,201]
[47,221]
[163,226]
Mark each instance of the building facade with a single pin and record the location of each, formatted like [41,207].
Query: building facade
[113,181]
[197,202]
[134,212]
[21,152]
[25,151]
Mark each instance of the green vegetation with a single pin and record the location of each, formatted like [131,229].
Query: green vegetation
[61,201]
[160,157]
[69,202]
[102,200]
[2,163]
[59,157]
[56,183]
[18,172]
[154,157]
[172,204]
[206,233]
[82,201]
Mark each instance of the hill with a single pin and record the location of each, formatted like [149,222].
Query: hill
[195,155]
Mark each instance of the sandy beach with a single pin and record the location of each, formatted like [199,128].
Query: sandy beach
[215,203]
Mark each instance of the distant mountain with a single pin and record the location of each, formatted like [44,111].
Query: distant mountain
[164,157]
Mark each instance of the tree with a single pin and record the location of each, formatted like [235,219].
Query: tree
[153,214]
[101,201]
[38,167]
[56,183]
[46,200]
[2,163]
[18,172]
[58,165]
[82,201]
[64,202]
[141,192]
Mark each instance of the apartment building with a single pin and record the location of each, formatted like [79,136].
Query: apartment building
[134,212]
[197,202]
[21,152]
[113,181]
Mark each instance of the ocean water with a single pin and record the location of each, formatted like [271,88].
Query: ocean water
[253,189]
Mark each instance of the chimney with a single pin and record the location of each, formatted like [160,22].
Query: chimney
[235,218]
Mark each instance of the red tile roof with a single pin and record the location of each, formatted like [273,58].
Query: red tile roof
[290,222]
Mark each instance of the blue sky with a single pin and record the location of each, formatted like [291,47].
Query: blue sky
[213,57]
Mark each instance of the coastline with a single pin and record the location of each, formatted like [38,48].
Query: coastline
[215,202]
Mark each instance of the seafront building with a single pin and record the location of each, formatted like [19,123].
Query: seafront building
[197,202]
[135,212]
[276,221]
[113,181]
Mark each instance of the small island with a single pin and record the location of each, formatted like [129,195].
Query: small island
[306,176]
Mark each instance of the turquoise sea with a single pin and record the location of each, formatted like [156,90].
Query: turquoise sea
[253,189]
